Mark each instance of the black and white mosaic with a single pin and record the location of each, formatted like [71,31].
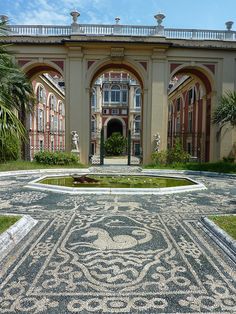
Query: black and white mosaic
[117,254]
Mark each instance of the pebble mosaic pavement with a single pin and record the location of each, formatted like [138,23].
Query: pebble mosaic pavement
[117,254]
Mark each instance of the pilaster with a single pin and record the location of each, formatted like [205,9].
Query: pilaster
[77,112]
[159,101]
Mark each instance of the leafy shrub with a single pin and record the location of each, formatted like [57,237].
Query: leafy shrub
[173,155]
[55,158]
[115,144]
[159,158]
[176,154]
[9,148]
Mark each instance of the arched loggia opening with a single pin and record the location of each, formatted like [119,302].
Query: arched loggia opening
[46,123]
[114,126]
[189,111]
[116,99]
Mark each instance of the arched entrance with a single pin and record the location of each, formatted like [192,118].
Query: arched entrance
[116,102]
[114,126]
[190,106]
[46,123]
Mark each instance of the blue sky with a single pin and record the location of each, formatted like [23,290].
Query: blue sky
[205,14]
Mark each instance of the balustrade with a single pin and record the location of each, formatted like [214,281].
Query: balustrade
[121,30]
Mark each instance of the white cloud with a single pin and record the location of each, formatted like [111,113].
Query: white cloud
[42,17]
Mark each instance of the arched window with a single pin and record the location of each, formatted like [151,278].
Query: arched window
[41,95]
[137,124]
[137,100]
[61,109]
[93,98]
[115,93]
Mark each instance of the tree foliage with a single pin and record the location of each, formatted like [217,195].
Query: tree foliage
[16,96]
[115,144]
[226,110]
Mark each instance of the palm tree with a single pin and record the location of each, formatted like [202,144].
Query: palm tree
[16,96]
[226,110]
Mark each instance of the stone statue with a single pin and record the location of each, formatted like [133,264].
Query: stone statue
[75,141]
[157,139]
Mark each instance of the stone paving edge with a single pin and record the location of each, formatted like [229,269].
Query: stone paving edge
[13,235]
[87,170]
[223,239]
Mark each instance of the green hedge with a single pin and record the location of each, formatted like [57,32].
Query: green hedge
[55,158]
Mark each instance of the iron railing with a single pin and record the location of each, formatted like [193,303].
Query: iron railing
[121,30]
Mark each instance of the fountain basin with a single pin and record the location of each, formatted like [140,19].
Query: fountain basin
[139,184]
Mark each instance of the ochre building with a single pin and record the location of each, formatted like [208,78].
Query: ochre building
[153,56]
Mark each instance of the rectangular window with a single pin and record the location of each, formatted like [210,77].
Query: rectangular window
[114,111]
[41,145]
[52,123]
[137,127]
[106,96]
[137,100]
[189,148]
[93,126]
[178,125]
[92,148]
[115,96]
[124,111]
[124,96]
[105,111]
[137,149]
[40,120]
[55,124]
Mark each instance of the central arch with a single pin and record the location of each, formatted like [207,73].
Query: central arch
[113,117]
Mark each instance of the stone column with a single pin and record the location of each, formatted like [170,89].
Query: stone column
[77,104]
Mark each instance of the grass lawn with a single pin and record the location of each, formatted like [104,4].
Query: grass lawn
[7,221]
[30,165]
[221,166]
[227,223]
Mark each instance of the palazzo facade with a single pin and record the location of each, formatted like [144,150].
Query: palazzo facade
[46,124]
[187,117]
